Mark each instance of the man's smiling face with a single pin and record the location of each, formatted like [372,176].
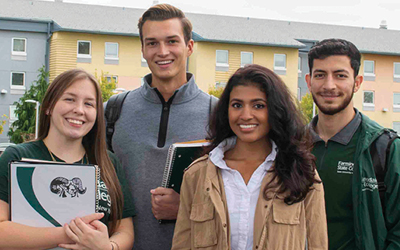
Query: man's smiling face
[332,84]
[165,50]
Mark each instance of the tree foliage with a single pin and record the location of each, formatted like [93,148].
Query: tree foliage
[23,128]
[2,123]
[107,85]
[215,91]
[306,106]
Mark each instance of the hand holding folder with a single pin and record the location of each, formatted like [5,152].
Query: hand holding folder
[180,156]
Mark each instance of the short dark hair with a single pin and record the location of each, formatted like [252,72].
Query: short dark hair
[294,164]
[162,12]
[331,47]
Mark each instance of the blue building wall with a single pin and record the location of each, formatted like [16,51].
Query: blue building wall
[303,54]
[36,42]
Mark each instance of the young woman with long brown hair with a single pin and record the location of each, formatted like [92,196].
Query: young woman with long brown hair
[72,129]
[258,187]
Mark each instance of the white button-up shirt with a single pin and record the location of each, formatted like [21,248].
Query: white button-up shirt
[241,198]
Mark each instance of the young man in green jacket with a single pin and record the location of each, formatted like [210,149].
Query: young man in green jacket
[342,140]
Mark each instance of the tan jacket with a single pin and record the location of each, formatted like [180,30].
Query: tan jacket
[203,221]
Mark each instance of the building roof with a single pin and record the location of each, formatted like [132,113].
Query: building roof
[214,28]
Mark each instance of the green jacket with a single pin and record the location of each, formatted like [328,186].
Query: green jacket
[372,229]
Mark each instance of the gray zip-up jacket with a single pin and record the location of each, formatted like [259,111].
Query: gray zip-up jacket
[146,128]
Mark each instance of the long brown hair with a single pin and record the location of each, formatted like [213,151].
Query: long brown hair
[294,167]
[94,142]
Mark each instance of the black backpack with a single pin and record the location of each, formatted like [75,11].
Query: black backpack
[380,152]
[113,110]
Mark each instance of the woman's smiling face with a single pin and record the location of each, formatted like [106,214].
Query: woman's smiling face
[75,112]
[248,113]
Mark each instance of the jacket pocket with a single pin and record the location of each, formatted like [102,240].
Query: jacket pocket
[202,217]
[286,214]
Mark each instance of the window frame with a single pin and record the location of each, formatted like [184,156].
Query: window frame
[12,117]
[241,57]
[18,53]
[397,106]
[111,76]
[299,60]
[105,51]
[218,64]
[23,80]
[368,73]
[84,55]
[373,98]
[394,69]
[279,67]
[143,62]
[396,124]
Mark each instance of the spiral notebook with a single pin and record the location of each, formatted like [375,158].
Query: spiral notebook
[49,194]
[180,156]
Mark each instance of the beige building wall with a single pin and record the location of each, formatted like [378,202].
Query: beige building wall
[202,63]
[129,70]
[383,87]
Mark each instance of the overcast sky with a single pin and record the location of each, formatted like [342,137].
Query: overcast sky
[361,13]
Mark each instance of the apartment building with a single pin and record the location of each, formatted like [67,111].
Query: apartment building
[106,39]
[23,50]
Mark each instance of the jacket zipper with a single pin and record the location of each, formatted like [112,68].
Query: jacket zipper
[166,106]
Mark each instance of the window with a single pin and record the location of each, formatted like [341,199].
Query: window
[12,117]
[369,68]
[396,100]
[220,85]
[222,60]
[299,94]
[246,58]
[143,62]
[396,70]
[280,62]
[222,57]
[17,80]
[299,65]
[368,98]
[396,127]
[19,46]
[115,78]
[111,51]
[84,49]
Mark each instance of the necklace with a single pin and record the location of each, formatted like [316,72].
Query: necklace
[52,156]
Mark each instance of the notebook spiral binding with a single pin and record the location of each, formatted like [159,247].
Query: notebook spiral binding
[97,188]
[168,167]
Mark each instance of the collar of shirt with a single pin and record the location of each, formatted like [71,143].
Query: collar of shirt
[217,154]
[343,136]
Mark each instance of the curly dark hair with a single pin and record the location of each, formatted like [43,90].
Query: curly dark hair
[294,164]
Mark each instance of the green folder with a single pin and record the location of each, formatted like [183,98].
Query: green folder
[180,156]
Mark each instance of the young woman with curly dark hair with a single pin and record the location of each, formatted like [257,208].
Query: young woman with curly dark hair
[258,187]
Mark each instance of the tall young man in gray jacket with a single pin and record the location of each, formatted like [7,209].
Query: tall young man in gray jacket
[168,108]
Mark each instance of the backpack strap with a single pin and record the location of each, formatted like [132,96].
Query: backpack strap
[380,152]
[112,112]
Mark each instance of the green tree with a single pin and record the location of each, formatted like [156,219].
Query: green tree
[23,128]
[306,106]
[215,91]
[107,85]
